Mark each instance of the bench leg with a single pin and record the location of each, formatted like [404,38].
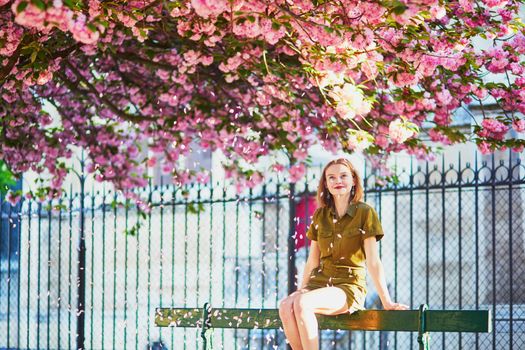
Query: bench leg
[204,341]
[423,338]
[205,324]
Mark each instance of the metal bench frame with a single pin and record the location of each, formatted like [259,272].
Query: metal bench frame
[422,321]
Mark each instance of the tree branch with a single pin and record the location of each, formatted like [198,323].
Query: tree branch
[137,59]
[126,116]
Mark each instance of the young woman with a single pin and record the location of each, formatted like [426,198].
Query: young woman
[344,234]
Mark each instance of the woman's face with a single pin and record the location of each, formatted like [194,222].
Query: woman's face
[339,180]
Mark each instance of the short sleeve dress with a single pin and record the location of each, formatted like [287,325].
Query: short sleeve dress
[340,242]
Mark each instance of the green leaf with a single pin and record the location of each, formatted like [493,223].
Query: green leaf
[70,3]
[33,56]
[21,6]
[39,3]
[133,231]
[399,9]
[92,27]
[105,24]
[7,178]
[195,209]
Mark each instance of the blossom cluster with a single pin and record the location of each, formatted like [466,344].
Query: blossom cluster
[44,17]
[143,83]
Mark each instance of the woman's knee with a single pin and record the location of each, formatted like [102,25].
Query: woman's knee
[300,304]
[286,308]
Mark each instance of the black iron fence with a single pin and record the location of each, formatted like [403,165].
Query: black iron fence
[82,270]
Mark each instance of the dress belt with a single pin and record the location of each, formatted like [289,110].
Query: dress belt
[331,268]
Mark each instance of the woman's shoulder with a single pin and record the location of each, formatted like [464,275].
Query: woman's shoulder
[364,206]
[320,210]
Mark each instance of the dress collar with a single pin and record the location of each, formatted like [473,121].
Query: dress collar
[350,210]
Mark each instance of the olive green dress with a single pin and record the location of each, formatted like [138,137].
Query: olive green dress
[340,241]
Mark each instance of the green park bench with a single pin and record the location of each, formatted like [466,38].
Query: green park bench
[422,321]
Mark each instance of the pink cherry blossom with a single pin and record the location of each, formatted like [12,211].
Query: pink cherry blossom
[207,8]
[254,180]
[381,141]
[484,148]
[428,65]
[404,79]
[296,172]
[359,140]
[497,60]
[278,168]
[495,126]
[398,132]
[300,154]
[350,101]
[203,177]
[436,136]
[13,197]
[519,125]
[496,3]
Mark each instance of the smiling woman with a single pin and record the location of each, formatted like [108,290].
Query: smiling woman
[344,234]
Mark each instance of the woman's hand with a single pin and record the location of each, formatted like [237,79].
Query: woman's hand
[395,306]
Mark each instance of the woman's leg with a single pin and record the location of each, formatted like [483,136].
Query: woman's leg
[327,301]
[286,313]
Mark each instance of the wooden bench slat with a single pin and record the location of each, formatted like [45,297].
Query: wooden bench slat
[372,320]
[459,321]
[181,317]
[436,320]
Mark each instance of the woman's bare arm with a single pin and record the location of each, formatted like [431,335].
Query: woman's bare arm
[375,268]
[311,263]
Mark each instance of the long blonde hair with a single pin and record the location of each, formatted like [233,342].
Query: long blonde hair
[325,198]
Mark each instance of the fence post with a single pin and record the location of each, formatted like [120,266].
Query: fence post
[81,247]
[292,270]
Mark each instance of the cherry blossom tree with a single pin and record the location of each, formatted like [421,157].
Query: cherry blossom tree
[251,78]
